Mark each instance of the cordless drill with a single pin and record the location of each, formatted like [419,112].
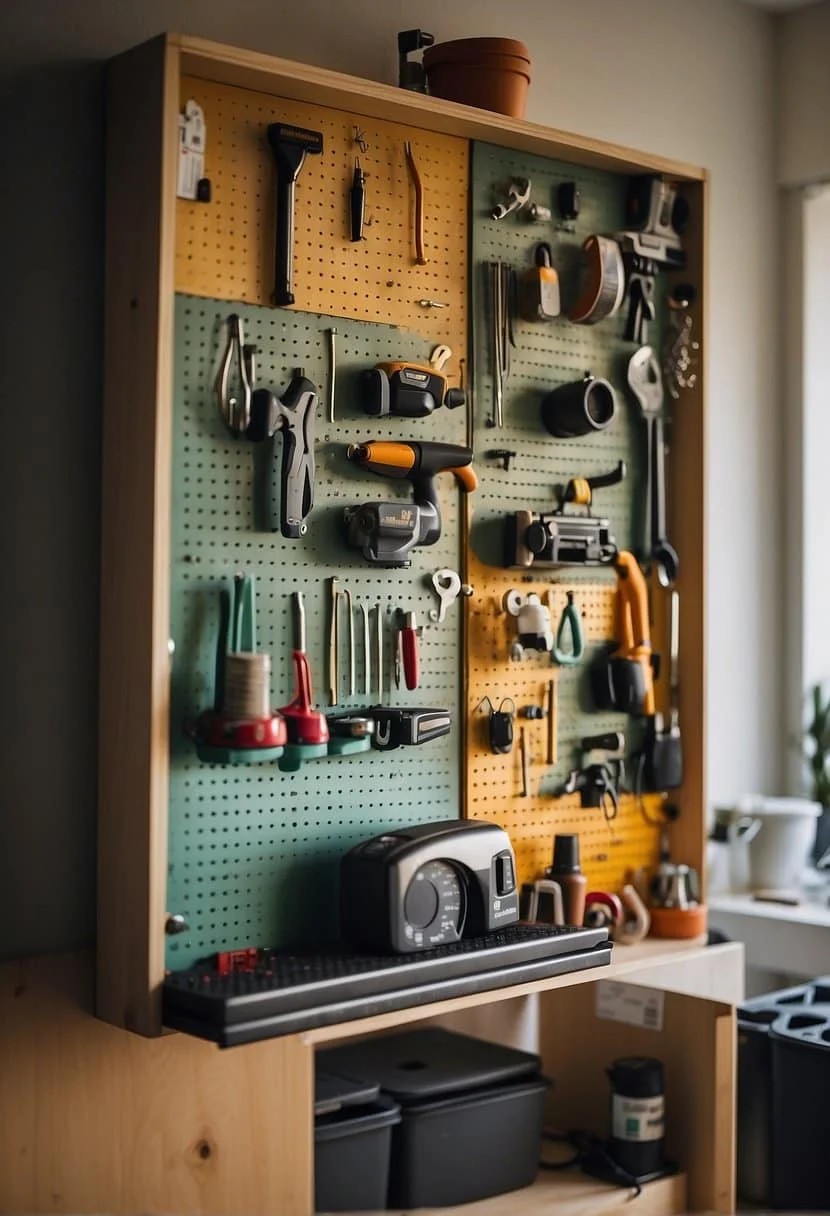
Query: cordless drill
[387,532]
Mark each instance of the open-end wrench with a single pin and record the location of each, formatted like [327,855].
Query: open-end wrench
[518,194]
[646,384]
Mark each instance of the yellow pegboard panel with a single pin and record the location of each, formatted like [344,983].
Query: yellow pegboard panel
[225,248]
[494,782]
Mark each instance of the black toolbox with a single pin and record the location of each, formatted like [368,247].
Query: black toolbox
[352,1141]
[784,1097]
[471,1113]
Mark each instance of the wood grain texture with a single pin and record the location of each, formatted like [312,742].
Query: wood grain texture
[95,1119]
[269,74]
[696,1046]
[135,512]
[571,1194]
[686,468]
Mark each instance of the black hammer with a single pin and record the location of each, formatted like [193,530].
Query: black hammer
[289,145]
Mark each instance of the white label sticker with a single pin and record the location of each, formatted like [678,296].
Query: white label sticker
[629,1003]
[637,1119]
[191,150]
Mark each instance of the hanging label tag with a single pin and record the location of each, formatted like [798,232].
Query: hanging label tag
[629,1003]
[192,134]
[637,1119]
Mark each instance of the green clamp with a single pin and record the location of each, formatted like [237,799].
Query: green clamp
[572,621]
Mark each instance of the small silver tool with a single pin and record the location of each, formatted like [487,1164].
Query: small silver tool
[380,652]
[334,643]
[350,627]
[367,653]
[332,367]
[447,585]
[235,404]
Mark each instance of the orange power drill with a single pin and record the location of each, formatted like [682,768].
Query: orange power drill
[387,532]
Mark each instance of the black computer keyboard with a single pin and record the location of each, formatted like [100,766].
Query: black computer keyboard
[292,991]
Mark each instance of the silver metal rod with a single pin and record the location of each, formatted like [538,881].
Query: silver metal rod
[350,626]
[299,620]
[332,368]
[380,652]
[367,653]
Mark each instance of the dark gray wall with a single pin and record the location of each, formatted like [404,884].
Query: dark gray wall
[693,81]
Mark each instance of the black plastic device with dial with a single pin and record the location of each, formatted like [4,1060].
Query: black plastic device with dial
[429,885]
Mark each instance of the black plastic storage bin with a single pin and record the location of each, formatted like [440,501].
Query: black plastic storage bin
[765,1112]
[352,1141]
[471,1113]
[800,1050]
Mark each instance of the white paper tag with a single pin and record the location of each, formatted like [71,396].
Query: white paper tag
[637,1006]
[191,150]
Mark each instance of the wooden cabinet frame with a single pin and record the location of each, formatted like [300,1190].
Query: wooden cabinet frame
[142,139]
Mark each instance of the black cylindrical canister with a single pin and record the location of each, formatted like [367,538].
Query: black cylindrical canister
[579,408]
[637,1114]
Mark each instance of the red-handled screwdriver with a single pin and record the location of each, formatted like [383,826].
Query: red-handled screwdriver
[409,647]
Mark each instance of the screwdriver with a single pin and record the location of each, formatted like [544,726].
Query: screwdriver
[357,202]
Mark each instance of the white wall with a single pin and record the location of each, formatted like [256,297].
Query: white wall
[690,80]
[803,78]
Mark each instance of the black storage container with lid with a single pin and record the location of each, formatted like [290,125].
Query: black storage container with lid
[471,1113]
[784,1097]
[353,1125]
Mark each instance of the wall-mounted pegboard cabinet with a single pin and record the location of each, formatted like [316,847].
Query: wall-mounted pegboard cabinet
[253,854]
[247,855]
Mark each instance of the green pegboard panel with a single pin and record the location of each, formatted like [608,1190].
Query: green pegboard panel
[550,353]
[253,851]
[547,354]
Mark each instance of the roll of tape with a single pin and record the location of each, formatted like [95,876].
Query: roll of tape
[602,283]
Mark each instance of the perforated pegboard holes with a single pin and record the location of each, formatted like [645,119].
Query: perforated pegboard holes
[254,854]
[225,249]
[547,355]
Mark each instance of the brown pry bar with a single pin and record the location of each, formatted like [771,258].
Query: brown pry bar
[420,255]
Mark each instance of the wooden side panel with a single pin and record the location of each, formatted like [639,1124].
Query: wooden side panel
[697,1048]
[686,526]
[135,510]
[93,1119]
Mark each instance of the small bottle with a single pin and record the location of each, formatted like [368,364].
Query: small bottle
[567,872]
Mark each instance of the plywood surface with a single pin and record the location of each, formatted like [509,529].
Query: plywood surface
[95,1119]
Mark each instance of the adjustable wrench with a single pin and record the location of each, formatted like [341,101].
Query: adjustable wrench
[646,384]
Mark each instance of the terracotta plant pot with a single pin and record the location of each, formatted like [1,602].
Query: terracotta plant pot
[490,73]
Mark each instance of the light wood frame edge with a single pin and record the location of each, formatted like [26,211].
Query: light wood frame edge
[142,136]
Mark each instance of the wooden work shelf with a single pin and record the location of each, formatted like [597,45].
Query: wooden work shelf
[570,1194]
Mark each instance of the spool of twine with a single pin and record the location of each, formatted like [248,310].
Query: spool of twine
[247,685]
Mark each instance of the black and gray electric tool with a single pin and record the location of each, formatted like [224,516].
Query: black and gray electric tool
[289,145]
[407,727]
[560,538]
[410,390]
[387,532]
[293,415]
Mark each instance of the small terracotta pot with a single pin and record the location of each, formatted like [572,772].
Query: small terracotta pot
[490,73]
[678,922]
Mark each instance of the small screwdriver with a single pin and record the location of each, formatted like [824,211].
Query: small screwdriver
[357,201]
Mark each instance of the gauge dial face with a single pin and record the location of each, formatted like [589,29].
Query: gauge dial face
[434,905]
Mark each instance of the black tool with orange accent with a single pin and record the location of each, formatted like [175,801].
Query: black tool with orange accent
[387,532]
[410,390]
[561,538]
[624,680]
